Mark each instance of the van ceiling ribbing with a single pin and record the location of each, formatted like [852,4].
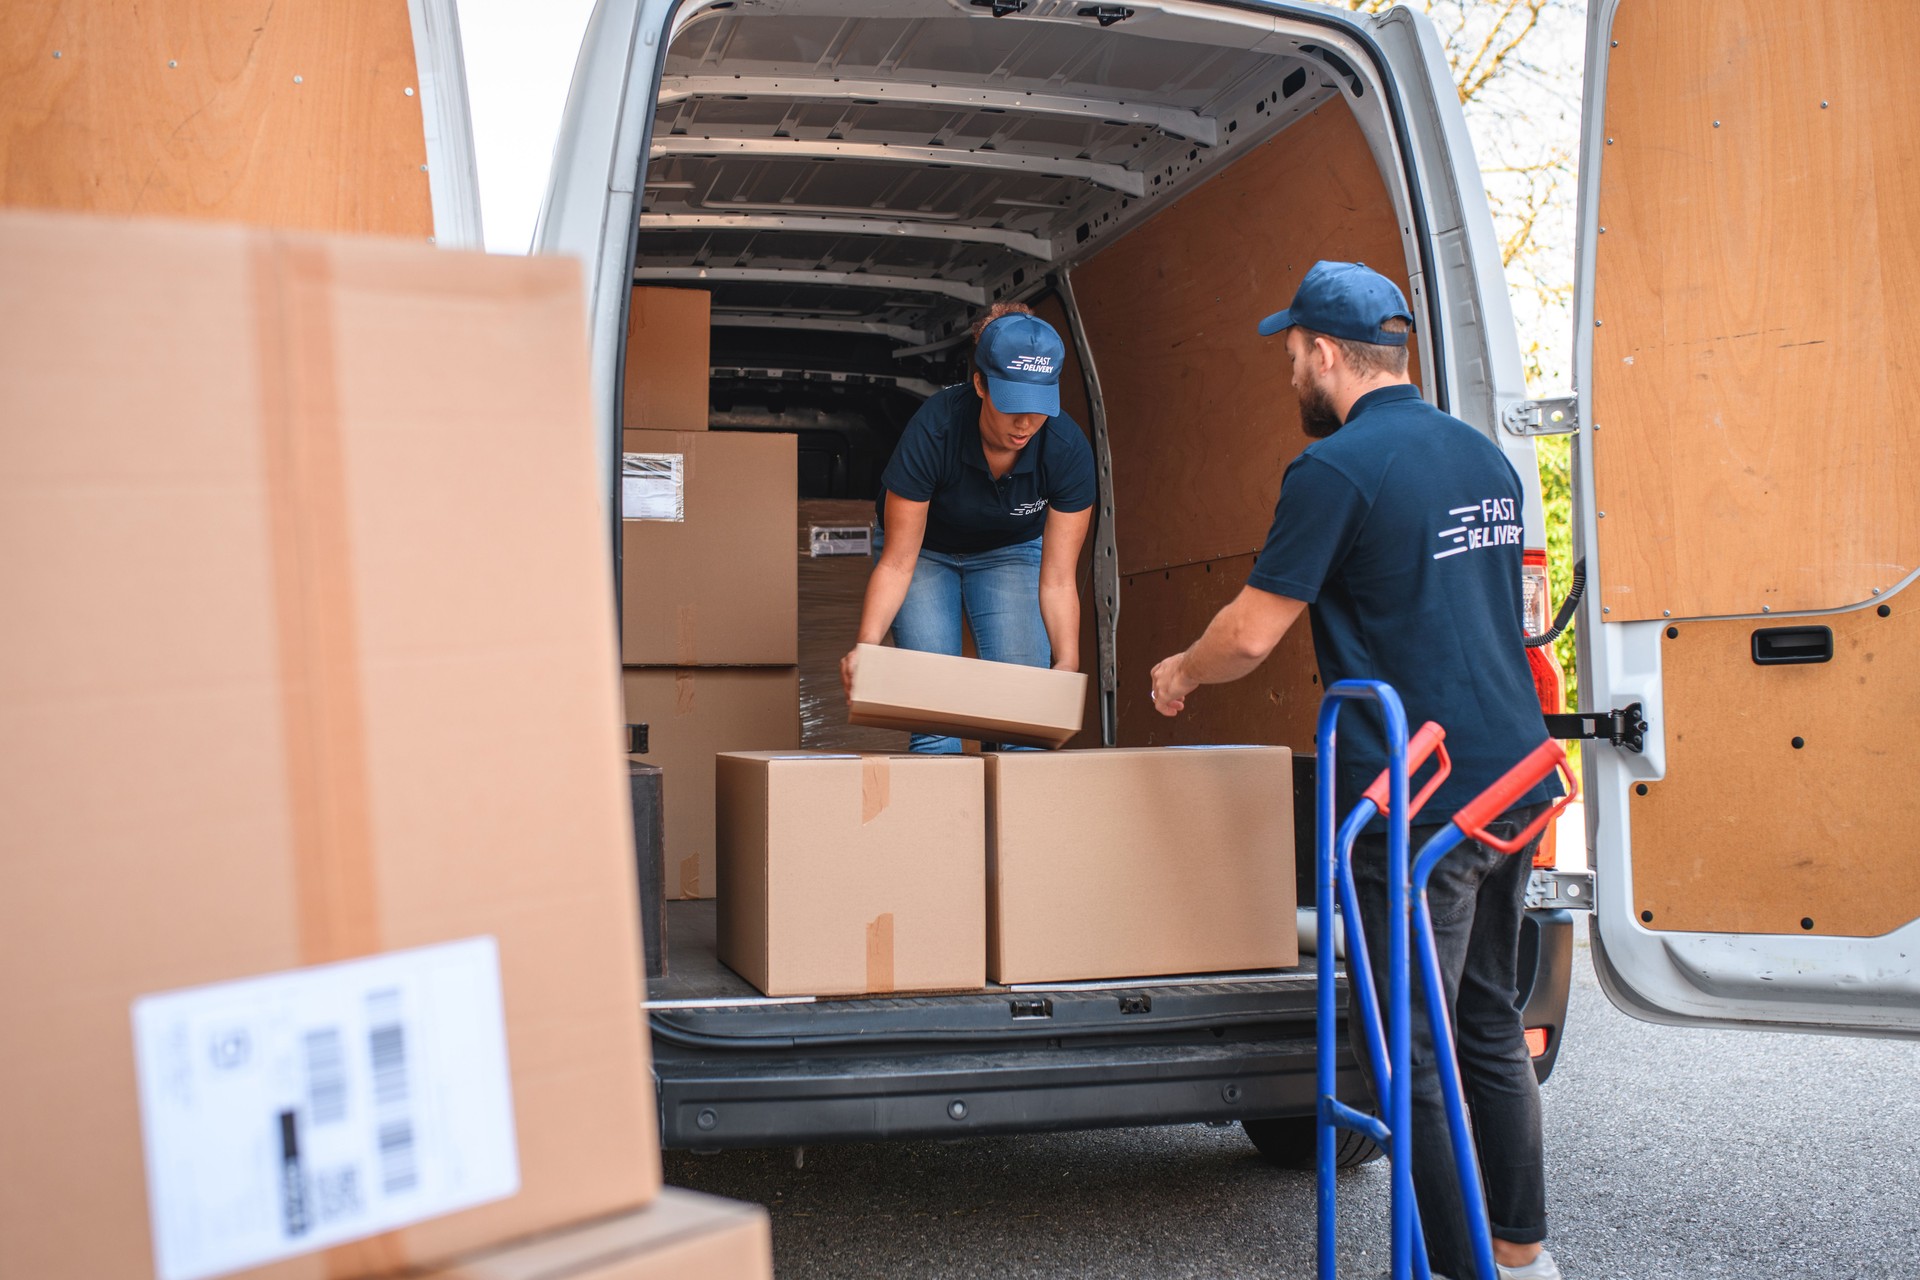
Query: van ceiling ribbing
[892,168]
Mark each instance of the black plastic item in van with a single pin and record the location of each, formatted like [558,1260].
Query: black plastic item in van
[1788,646]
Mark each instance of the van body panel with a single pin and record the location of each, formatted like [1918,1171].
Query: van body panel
[1747,462]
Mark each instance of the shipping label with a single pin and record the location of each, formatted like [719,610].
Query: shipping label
[839,540]
[653,486]
[299,1110]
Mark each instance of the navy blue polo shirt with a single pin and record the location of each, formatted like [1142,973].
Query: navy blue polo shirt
[941,461]
[1402,530]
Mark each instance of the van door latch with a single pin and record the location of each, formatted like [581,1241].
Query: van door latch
[1626,727]
[1556,416]
[1106,14]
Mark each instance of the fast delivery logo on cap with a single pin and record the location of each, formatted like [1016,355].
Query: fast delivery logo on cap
[1030,364]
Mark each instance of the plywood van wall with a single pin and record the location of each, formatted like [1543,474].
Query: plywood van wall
[288,115]
[1757,419]
[1200,414]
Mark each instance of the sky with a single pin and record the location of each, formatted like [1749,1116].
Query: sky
[520,56]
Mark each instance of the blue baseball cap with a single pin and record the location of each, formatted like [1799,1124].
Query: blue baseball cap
[1344,300]
[1021,357]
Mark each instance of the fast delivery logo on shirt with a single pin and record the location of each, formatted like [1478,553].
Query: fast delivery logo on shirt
[1487,523]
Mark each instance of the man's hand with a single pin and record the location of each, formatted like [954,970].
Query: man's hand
[848,665]
[1171,685]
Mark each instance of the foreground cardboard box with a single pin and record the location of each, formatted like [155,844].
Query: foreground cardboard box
[669,344]
[692,714]
[272,697]
[1123,863]
[681,1236]
[966,697]
[835,558]
[852,875]
[707,564]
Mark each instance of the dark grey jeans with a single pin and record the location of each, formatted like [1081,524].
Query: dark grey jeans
[1477,896]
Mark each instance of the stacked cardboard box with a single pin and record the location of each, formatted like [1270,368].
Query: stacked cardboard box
[846,874]
[682,1236]
[318,931]
[708,630]
[835,558]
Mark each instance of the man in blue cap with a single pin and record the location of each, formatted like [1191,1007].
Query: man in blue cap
[1399,528]
[984,508]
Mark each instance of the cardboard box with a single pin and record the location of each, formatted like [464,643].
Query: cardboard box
[682,1236]
[271,696]
[669,359]
[707,569]
[1125,863]
[852,875]
[692,714]
[966,697]
[835,559]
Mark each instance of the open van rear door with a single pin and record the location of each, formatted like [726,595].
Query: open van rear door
[1748,500]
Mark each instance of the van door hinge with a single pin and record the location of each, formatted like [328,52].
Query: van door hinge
[1001,8]
[1556,416]
[1626,727]
[1548,889]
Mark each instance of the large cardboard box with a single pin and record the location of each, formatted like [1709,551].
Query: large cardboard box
[835,558]
[707,570]
[682,1236]
[966,697]
[852,875]
[669,344]
[271,697]
[692,714]
[1124,863]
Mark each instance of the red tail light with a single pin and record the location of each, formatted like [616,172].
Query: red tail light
[1536,1041]
[1536,595]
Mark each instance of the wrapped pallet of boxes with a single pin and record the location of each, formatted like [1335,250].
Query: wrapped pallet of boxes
[1139,862]
[682,1236]
[317,947]
[708,630]
[835,559]
[853,875]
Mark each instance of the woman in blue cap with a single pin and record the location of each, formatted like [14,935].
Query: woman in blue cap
[984,508]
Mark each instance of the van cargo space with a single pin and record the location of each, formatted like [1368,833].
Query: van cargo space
[851,186]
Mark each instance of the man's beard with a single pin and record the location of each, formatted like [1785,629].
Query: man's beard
[1318,418]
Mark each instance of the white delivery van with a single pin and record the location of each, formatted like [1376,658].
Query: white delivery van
[853,181]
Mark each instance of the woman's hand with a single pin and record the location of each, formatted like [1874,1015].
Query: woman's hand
[848,665]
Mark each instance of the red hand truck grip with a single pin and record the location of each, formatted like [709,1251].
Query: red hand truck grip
[1486,807]
[1428,739]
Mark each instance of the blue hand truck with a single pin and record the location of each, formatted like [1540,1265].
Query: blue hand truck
[1390,1045]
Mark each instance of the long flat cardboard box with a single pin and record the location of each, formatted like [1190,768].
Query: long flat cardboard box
[852,875]
[693,714]
[317,847]
[1139,862]
[681,1236]
[966,697]
[707,565]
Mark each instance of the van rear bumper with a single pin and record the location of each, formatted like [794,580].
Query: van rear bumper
[796,1100]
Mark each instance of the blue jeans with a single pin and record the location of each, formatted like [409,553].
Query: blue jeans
[1000,592]
[1477,896]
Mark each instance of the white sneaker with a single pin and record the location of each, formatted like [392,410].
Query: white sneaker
[1541,1268]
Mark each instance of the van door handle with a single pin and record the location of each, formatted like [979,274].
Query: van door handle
[1785,646]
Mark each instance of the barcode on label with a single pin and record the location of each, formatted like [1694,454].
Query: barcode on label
[397,1170]
[387,1046]
[326,1077]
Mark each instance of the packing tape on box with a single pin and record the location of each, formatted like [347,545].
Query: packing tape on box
[690,876]
[683,693]
[876,789]
[880,953]
[686,631]
[316,622]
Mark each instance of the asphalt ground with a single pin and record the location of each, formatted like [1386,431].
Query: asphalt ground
[1670,1153]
